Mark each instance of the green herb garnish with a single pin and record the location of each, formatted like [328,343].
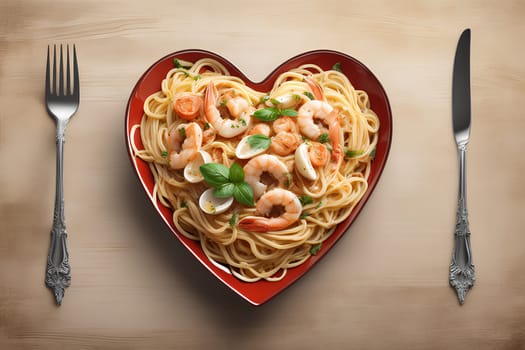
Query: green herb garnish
[337,67]
[309,95]
[264,98]
[164,154]
[324,138]
[304,215]
[272,113]
[353,153]
[182,132]
[316,248]
[289,112]
[258,141]
[373,153]
[233,219]
[178,64]
[275,102]
[267,114]
[215,174]
[228,182]
[306,200]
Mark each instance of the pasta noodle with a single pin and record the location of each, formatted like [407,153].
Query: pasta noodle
[349,132]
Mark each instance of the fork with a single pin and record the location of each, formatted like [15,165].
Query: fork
[61,104]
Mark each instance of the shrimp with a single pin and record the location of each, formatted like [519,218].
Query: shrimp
[307,114]
[238,107]
[284,143]
[184,142]
[318,154]
[315,87]
[285,124]
[323,111]
[260,128]
[265,163]
[188,106]
[277,197]
[335,134]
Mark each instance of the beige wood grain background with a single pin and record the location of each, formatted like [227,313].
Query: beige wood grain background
[383,286]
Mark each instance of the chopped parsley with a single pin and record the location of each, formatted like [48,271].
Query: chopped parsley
[323,138]
[309,95]
[337,67]
[316,248]
[306,200]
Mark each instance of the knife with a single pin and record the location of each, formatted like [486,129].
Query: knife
[462,274]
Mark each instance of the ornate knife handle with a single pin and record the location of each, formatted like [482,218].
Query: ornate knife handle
[58,272]
[462,274]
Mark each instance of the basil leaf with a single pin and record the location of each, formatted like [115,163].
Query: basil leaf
[215,174]
[236,173]
[243,194]
[289,112]
[264,98]
[259,141]
[164,154]
[224,190]
[267,114]
[373,153]
[337,67]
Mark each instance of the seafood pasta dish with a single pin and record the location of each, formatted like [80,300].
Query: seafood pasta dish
[259,178]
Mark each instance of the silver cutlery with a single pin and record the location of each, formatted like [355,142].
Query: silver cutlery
[462,274]
[61,104]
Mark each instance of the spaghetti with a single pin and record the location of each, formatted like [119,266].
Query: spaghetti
[312,138]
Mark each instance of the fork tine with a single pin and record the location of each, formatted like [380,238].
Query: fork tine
[68,75]
[61,75]
[76,83]
[54,91]
[48,80]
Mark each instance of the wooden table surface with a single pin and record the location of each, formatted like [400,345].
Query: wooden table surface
[384,285]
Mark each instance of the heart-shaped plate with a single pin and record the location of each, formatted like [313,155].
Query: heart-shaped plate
[360,76]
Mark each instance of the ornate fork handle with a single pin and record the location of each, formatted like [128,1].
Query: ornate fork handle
[58,273]
[462,274]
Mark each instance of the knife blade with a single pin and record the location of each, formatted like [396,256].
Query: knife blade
[462,272]
[461,90]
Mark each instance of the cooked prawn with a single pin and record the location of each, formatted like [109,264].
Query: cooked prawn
[287,124]
[260,128]
[184,141]
[188,106]
[238,107]
[315,87]
[335,134]
[285,143]
[308,113]
[277,197]
[265,163]
[318,154]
